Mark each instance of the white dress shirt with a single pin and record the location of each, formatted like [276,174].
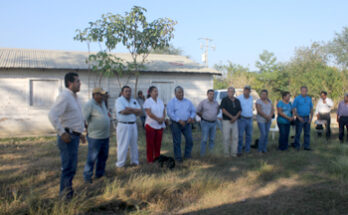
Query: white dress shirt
[324,108]
[157,109]
[66,112]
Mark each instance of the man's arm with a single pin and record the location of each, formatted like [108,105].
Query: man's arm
[317,109]
[200,109]
[56,112]
[192,111]
[311,114]
[170,111]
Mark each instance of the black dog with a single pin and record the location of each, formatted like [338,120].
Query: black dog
[165,161]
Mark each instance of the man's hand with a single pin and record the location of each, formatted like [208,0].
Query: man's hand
[190,120]
[182,122]
[83,138]
[66,137]
[161,120]
[129,109]
[233,119]
[300,119]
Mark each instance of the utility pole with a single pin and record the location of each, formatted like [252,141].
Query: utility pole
[205,47]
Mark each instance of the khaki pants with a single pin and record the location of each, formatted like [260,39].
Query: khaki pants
[230,133]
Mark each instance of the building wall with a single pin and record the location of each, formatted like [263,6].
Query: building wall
[27,94]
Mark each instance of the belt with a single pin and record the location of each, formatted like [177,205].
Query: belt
[211,121]
[244,117]
[126,122]
[68,130]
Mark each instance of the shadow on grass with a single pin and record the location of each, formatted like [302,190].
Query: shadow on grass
[320,198]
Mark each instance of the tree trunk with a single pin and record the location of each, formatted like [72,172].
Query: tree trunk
[136,84]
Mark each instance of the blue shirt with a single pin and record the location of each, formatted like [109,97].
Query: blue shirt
[247,105]
[121,104]
[303,105]
[180,109]
[286,109]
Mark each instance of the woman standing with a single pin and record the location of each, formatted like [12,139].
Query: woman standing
[284,119]
[154,124]
[264,116]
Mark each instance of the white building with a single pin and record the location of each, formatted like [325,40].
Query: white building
[30,81]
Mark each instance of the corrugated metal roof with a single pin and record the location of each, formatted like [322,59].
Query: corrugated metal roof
[49,59]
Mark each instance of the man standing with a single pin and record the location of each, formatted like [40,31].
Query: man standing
[245,122]
[127,110]
[231,110]
[208,110]
[141,101]
[67,119]
[98,130]
[303,110]
[342,116]
[181,112]
[323,110]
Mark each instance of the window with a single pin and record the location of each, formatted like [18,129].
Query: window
[43,92]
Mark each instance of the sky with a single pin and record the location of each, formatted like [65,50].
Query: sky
[240,29]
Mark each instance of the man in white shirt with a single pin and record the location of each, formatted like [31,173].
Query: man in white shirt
[67,119]
[127,110]
[323,110]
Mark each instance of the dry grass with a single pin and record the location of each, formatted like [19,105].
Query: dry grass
[277,183]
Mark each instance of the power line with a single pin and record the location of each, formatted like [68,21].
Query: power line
[205,47]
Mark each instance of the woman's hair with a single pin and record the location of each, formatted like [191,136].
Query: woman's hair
[284,94]
[149,91]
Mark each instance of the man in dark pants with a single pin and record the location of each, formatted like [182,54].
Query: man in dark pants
[67,119]
[303,110]
[342,116]
[181,113]
[323,110]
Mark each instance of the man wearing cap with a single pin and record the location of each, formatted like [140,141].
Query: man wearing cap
[245,122]
[342,116]
[127,110]
[98,133]
[67,119]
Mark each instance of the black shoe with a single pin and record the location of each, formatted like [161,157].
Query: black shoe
[307,149]
[239,154]
[341,141]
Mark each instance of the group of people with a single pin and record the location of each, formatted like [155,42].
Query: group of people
[70,120]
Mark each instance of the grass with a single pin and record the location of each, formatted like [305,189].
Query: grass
[290,182]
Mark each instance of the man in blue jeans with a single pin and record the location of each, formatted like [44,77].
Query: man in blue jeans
[181,113]
[303,110]
[208,110]
[98,130]
[67,119]
[245,122]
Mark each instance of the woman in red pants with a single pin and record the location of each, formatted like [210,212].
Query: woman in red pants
[154,124]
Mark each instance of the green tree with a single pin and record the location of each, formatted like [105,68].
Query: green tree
[338,47]
[233,75]
[267,62]
[310,67]
[171,50]
[134,32]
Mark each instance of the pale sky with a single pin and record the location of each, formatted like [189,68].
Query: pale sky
[240,30]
